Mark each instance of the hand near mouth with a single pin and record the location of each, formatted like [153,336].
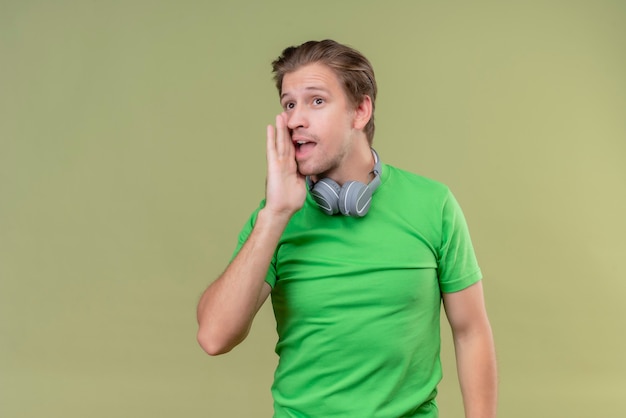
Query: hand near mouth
[285,187]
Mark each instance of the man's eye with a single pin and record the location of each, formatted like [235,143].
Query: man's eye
[289,106]
[318,101]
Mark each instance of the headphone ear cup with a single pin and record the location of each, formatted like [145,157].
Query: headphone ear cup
[326,194]
[355,198]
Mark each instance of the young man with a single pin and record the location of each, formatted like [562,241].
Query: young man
[357,256]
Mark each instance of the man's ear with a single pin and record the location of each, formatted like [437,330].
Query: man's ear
[363,113]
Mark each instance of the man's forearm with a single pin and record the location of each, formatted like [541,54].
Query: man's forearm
[228,306]
[477,370]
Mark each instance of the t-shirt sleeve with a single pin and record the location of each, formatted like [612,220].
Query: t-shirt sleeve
[457,264]
[270,277]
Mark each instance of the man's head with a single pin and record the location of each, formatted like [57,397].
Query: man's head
[353,70]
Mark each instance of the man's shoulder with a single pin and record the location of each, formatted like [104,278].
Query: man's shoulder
[404,178]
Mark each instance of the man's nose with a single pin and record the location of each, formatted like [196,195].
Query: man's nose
[297,118]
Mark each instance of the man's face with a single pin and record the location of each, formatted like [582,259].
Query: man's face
[320,120]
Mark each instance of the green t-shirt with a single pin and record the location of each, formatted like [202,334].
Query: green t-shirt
[357,301]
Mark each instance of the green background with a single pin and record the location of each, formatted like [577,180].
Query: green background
[132,152]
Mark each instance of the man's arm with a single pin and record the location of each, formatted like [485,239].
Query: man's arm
[228,306]
[475,351]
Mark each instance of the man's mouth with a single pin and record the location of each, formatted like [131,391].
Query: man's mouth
[303,147]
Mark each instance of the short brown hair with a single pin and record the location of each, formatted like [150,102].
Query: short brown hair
[354,70]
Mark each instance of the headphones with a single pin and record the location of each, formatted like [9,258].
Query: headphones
[351,199]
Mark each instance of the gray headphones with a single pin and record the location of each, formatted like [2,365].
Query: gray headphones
[351,199]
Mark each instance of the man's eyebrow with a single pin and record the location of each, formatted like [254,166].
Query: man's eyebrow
[311,88]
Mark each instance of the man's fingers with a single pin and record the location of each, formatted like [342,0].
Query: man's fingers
[284,146]
[271,143]
[279,145]
[280,136]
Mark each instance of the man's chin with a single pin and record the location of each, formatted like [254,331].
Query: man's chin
[302,170]
[312,177]
[312,171]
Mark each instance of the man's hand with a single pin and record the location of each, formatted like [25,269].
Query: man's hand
[285,190]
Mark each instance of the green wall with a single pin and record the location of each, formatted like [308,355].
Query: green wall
[132,151]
